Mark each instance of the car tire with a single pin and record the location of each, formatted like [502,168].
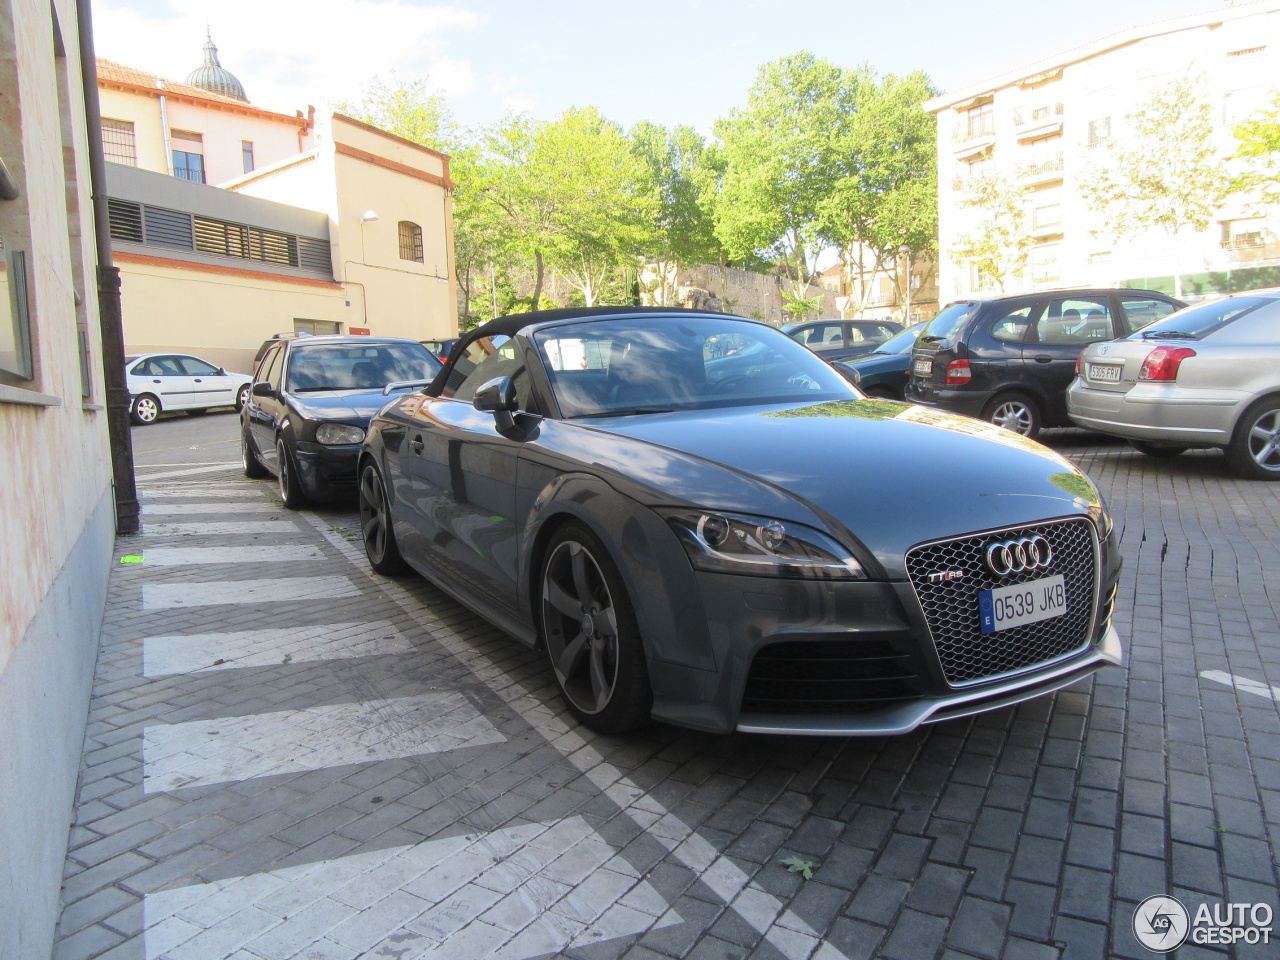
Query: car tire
[242,397]
[376,530]
[145,410]
[1254,451]
[1159,450]
[589,631]
[1014,411]
[291,494]
[253,468]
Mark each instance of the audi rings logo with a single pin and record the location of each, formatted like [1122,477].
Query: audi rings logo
[1023,555]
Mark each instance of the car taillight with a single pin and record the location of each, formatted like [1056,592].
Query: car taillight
[958,372]
[1079,361]
[1162,363]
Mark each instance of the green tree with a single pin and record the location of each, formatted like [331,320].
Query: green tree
[1000,245]
[408,109]
[779,156]
[885,193]
[684,233]
[1259,138]
[1166,173]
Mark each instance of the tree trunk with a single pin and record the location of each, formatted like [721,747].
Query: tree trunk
[537,287]
[724,282]
[1177,268]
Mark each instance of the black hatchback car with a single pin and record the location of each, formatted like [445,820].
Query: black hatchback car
[310,406]
[1009,360]
[842,339]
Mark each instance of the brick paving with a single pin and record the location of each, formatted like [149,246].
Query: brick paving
[246,795]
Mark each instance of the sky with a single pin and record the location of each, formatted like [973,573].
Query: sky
[667,61]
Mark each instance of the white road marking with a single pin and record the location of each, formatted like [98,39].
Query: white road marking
[173,509]
[190,471]
[272,525]
[786,932]
[201,752]
[1255,687]
[184,556]
[195,492]
[166,596]
[202,652]
[479,895]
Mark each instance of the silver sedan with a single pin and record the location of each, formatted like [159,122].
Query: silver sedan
[1206,376]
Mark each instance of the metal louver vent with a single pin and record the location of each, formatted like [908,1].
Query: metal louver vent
[125,220]
[167,228]
[315,255]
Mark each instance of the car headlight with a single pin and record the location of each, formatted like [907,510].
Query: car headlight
[760,547]
[335,433]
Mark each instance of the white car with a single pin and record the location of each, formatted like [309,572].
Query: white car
[176,381]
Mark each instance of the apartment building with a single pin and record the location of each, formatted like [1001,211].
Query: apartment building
[231,223]
[1038,126]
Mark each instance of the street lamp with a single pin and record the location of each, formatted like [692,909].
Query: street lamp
[905,251]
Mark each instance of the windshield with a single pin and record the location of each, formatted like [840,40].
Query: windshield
[945,324]
[1202,319]
[901,342]
[358,366]
[660,364]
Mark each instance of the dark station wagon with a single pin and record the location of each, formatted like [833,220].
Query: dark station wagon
[1009,360]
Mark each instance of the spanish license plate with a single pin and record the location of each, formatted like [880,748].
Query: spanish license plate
[1003,608]
[1105,372]
[923,368]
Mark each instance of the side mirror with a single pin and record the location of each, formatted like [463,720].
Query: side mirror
[497,396]
[263,389]
[222,371]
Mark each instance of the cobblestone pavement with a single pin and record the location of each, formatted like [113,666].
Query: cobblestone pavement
[288,756]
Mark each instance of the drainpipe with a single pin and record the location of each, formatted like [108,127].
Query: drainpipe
[109,315]
[164,126]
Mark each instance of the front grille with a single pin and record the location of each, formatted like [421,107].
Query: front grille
[828,677]
[951,608]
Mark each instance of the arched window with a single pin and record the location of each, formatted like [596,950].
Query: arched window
[410,241]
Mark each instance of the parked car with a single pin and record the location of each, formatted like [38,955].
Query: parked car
[441,348]
[1208,376]
[160,382]
[1009,360]
[884,372]
[310,404]
[842,339]
[766,552]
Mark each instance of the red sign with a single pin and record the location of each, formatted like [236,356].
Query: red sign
[359,331]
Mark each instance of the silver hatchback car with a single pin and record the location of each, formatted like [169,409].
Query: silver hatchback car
[1206,376]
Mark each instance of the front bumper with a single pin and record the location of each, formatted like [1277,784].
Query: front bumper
[327,472]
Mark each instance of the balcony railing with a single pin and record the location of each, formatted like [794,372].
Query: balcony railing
[1242,241]
[974,129]
[1041,114]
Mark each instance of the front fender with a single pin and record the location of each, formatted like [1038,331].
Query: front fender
[653,565]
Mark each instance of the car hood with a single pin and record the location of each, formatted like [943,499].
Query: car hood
[347,405]
[883,474]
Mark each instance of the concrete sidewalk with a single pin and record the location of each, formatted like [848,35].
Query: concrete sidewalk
[288,756]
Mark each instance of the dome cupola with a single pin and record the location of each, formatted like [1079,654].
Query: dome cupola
[214,77]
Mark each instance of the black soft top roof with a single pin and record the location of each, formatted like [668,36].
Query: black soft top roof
[512,323]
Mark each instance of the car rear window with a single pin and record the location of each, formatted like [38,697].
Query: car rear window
[1202,319]
[945,325]
[344,366]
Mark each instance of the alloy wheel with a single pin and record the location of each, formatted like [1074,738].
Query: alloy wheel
[373,515]
[1264,441]
[581,627]
[146,410]
[1013,415]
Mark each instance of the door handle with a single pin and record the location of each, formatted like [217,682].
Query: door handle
[157,381]
[198,380]
[416,445]
[1042,358]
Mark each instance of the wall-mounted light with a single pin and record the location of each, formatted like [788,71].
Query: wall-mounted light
[369,215]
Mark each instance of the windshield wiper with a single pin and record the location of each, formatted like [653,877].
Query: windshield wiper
[1168,335]
[623,413]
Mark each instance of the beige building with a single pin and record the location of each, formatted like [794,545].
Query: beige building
[57,526]
[1039,125]
[319,224]
[875,292]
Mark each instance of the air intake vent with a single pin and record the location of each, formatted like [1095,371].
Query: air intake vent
[166,228]
[315,255]
[125,220]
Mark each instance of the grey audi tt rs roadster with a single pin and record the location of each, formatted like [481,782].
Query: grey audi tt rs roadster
[702,522]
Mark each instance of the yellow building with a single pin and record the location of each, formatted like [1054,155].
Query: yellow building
[1040,125]
[57,526]
[320,224]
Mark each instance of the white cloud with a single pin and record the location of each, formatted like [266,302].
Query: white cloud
[289,53]
[516,103]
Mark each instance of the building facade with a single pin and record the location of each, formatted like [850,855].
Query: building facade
[57,526]
[868,290]
[231,224]
[1040,126]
